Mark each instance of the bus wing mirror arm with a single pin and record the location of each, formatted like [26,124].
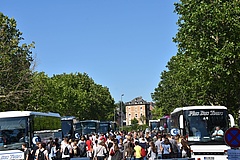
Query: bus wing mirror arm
[181,124]
[232,123]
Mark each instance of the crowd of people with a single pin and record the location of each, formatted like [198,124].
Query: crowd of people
[112,146]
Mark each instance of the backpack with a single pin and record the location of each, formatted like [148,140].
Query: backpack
[82,148]
[130,149]
[110,144]
[143,152]
[41,155]
[174,147]
[112,152]
[117,155]
[29,154]
[66,151]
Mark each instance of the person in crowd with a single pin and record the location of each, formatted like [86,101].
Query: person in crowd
[102,138]
[111,151]
[178,137]
[49,144]
[166,149]
[128,148]
[42,152]
[26,151]
[75,149]
[71,142]
[118,136]
[109,143]
[158,146]
[57,143]
[89,145]
[174,146]
[82,146]
[95,145]
[118,155]
[144,144]
[137,151]
[179,145]
[53,152]
[32,156]
[120,145]
[148,136]
[66,149]
[135,136]
[152,151]
[185,149]
[101,151]
[218,133]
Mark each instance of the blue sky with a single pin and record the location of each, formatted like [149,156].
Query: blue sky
[121,44]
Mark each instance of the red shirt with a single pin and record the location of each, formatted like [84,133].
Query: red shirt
[89,145]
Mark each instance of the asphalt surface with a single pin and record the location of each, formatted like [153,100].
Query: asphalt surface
[82,158]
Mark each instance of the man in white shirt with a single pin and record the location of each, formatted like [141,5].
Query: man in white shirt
[218,133]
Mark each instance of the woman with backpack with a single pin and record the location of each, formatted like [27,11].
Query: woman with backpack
[152,151]
[65,149]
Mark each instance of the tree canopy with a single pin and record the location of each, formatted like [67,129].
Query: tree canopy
[206,68]
[72,95]
[15,62]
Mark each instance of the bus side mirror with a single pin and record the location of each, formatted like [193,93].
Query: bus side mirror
[181,126]
[232,123]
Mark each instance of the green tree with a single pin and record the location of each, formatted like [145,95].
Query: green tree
[15,62]
[205,70]
[134,124]
[72,95]
[142,119]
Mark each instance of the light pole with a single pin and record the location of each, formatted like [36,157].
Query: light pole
[121,110]
[114,115]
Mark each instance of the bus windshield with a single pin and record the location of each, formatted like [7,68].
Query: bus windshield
[154,125]
[13,133]
[88,127]
[201,124]
[103,127]
[67,128]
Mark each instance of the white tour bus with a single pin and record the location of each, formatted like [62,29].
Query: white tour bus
[198,123]
[18,127]
[154,124]
[238,118]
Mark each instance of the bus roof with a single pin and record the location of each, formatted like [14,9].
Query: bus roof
[198,107]
[66,118]
[26,113]
[154,120]
[90,121]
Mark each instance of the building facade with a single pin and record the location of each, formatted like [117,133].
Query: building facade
[139,109]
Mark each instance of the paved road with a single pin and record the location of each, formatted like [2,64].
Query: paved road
[83,158]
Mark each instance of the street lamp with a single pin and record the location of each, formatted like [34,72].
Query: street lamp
[121,110]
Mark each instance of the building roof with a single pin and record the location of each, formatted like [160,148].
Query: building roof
[136,101]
